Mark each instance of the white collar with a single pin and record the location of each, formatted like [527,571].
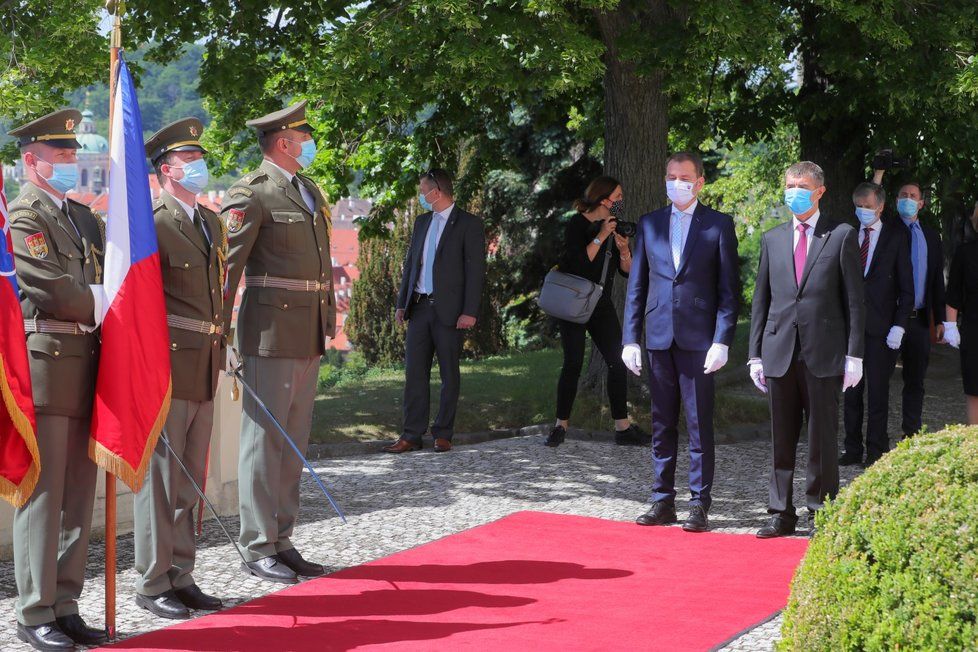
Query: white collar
[54,198]
[689,209]
[187,208]
[875,226]
[811,221]
[288,175]
[442,215]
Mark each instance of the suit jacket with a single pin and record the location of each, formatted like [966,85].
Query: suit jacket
[934,285]
[825,314]
[55,266]
[694,306]
[460,266]
[193,284]
[889,281]
[271,232]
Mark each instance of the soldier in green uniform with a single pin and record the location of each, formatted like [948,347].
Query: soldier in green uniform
[278,223]
[193,255]
[58,248]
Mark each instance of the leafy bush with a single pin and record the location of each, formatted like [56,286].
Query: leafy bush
[895,563]
[338,371]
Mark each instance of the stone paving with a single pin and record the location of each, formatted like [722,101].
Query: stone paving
[393,503]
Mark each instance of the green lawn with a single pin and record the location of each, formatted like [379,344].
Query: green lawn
[506,391]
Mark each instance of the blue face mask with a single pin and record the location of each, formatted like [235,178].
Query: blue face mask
[195,176]
[907,207]
[798,200]
[425,204]
[64,176]
[866,216]
[308,153]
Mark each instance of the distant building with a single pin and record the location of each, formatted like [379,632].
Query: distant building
[93,161]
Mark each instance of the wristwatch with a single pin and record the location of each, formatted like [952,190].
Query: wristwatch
[598,241]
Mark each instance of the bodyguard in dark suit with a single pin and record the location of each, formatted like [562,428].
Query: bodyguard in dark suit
[884,252]
[441,287]
[927,260]
[806,340]
[683,288]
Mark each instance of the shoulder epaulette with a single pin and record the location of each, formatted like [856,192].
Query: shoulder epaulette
[158,204]
[254,177]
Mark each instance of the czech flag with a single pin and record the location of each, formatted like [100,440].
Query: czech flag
[20,462]
[132,394]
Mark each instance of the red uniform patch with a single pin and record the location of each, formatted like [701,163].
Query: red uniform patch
[37,245]
[235,220]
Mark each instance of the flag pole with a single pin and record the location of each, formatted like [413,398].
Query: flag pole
[110,492]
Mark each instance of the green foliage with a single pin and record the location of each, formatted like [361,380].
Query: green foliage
[895,563]
[370,324]
[337,370]
[48,48]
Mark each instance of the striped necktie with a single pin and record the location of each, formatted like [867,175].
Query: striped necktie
[864,248]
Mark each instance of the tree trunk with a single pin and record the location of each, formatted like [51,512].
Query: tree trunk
[636,133]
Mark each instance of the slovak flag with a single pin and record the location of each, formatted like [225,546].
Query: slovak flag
[20,461]
[132,394]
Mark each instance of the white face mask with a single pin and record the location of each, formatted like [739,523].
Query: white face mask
[679,192]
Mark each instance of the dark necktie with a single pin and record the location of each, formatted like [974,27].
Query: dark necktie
[64,211]
[864,248]
[295,184]
[201,227]
[801,252]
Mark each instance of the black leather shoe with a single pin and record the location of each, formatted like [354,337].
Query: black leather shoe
[871,460]
[193,598]
[696,521]
[780,525]
[556,437]
[632,436]
[811,523]
[300,566]
[850,459]
[272,569]
[661,513]
[76,629]
[44,637]
[164,605]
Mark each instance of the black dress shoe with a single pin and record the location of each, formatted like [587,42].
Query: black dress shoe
[871,460]
[556,437]
[193,598]
[76,629]
[661,513]
[780,525]
[632,436]
[697,521]
[300,566]
[272,569]
[850,459]
[44,637]
[811,523]
[164,605]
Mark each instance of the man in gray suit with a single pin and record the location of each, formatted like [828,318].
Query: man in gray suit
[806,340]
[441,287]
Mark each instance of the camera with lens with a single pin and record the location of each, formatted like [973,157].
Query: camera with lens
[885,159]
[626,229]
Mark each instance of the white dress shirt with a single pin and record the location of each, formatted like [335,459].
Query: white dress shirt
[686,216]
[438,221]
[811,222]
[191,212]
[306,195]
[874,237]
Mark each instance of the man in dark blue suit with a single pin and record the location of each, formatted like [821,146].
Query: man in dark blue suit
[684,289]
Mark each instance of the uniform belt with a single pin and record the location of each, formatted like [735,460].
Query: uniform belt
[297,285]
[52,326]
[195,325]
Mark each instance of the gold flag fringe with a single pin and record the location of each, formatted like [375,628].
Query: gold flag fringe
[120,468]
[17,494]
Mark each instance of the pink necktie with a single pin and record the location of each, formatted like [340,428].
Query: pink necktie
[801,252]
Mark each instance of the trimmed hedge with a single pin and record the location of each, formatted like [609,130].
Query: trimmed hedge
[894,565]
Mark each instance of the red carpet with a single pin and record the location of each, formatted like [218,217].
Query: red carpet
[528,581]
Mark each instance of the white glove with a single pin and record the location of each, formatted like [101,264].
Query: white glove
[716,357]
[757,375]
[895,337]
[853,373]
[99,299]
[631,355]
[951,334]
[232,364]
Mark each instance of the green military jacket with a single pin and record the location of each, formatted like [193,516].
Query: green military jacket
[55,265]
[272,232]
[193,283]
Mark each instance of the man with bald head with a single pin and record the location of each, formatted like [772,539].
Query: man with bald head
[806,341]
[58,249]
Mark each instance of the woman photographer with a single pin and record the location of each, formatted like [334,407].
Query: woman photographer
[589,237]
